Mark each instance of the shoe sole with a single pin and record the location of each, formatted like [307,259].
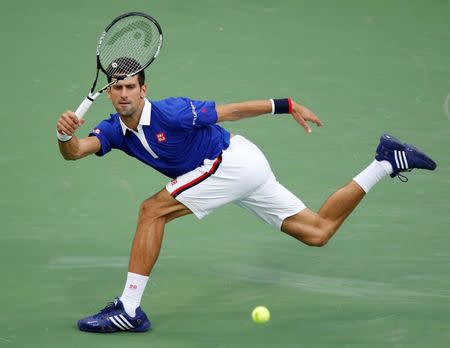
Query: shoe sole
[111,332]
[147,326]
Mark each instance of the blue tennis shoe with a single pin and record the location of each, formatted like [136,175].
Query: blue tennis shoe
[403,157]
[113,318]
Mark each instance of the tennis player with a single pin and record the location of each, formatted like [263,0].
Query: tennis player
[209,167]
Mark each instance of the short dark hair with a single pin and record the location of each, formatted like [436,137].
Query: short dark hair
[125,65]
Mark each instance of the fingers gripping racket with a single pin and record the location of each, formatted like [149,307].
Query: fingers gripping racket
[127,46]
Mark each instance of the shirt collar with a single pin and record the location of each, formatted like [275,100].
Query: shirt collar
[145,117]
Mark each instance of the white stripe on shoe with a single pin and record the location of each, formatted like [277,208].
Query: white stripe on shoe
[396,159]
[404,159]
[126,321]
[400,159]
[116,323]
[119,320]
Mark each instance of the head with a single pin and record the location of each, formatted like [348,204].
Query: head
[127,96]
[140,75]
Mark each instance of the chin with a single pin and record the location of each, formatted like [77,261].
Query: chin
[125,112]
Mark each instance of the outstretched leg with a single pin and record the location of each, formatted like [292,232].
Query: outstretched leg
[316,229]
[392,157]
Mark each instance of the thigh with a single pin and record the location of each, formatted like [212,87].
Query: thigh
[272,202]
[238,171]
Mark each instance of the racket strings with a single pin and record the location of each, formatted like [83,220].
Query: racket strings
[129,45]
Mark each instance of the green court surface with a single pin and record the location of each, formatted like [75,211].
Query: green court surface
[364,67]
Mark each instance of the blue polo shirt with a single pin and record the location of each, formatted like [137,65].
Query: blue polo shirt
[174,136]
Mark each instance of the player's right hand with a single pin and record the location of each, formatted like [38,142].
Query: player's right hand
[68,122]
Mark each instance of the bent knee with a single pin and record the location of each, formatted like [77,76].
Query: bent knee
[315,237]
[318,241]
[323,234]
[309,228]
[162,206]
[150,209]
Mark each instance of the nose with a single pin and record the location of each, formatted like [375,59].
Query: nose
[123,93]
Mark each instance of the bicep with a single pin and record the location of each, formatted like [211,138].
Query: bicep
[88,146]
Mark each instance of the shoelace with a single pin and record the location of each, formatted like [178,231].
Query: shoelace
[403,178]
[109,306]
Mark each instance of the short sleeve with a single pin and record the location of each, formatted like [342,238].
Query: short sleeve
[105,133]
[188,114]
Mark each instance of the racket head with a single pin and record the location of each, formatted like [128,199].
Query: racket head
[129,45]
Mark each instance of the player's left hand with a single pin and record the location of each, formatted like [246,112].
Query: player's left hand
[302,114]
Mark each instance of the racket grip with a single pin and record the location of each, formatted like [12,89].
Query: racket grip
[85,105]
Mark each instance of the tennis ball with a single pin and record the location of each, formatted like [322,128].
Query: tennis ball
[260,315]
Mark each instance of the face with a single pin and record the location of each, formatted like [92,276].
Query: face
[127,96]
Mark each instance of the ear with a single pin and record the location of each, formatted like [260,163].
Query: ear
[108,90]
[143,91]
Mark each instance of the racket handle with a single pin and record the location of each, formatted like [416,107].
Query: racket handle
[85,105]
[80,112]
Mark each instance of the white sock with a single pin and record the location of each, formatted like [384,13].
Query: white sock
[376,171]
[133,291]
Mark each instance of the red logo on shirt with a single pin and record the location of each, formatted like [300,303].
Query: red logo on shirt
[161,137]
[203,110]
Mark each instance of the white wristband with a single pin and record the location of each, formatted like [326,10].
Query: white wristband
[63,137]
[273,106]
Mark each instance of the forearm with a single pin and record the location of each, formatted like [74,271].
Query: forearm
[70,149]
[239,111]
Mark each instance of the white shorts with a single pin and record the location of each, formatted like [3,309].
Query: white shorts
[241,175]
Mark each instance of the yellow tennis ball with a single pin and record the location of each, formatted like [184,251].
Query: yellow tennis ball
[260,315]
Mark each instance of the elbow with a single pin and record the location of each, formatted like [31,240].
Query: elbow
[70,156]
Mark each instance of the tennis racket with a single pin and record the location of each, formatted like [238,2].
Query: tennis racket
[127,46]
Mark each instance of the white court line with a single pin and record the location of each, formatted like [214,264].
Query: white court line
[82,262]
[447,106]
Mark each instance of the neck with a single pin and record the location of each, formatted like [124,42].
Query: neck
[132,121]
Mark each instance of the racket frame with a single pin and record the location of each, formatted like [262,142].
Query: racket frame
[87,102]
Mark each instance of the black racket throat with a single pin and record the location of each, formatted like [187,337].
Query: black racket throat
[94,84]
[114,80]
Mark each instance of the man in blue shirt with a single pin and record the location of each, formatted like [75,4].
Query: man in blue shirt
[210,167]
